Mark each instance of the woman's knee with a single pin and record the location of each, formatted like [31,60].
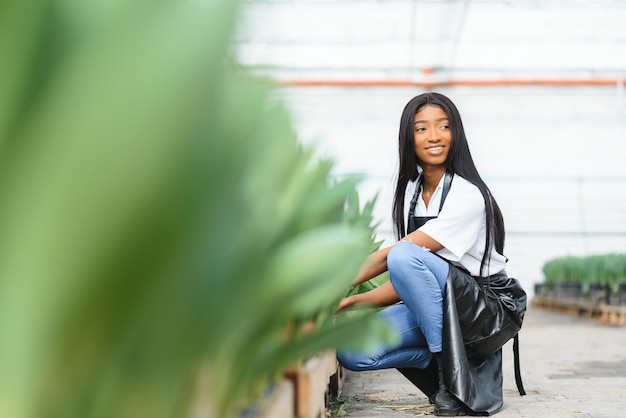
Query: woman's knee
[403,256]
[355,362]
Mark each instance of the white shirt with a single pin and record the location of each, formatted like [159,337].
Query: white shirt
[460,226]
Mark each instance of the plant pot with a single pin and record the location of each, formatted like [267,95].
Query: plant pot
[541,289]
[598,294]
[571,291]
[621,295]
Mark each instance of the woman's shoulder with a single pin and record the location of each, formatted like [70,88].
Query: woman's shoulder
[463,184]
[465,188]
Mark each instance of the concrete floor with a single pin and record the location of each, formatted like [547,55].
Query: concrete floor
[571,367]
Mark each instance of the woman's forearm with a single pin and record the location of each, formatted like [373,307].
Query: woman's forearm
[383,295]
[375,264]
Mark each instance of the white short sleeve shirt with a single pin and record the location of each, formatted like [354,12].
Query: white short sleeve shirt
[460,226]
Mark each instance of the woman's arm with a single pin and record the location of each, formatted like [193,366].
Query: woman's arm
[425,241]
[375,264]
[383,295]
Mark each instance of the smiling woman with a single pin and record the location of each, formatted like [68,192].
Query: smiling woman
[447,272]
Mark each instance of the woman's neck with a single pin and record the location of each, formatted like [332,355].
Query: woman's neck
[431,177]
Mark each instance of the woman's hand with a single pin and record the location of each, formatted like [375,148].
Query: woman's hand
[383,295]
[345,303]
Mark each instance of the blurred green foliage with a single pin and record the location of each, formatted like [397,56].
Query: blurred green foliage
[364,217]
[602,269]
[161,226]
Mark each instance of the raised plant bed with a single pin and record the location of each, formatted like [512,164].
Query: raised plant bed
[304,391]
[276,403]
[314,380]
[593,286]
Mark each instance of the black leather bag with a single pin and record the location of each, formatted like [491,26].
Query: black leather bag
[490,312]
[495,316]
[480,316]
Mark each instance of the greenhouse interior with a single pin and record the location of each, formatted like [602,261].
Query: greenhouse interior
[188,189]
[539,84]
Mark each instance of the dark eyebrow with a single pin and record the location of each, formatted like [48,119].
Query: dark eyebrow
[425,121]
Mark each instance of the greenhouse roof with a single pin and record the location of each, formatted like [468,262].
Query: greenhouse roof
[434,41]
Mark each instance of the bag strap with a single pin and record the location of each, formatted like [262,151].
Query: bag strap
[447,182]
[518,375]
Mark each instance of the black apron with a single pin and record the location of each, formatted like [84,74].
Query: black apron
[415,222]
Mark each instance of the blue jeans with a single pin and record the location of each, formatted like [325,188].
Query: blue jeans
[419,278]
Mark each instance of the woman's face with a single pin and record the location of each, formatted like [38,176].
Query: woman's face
[432,136]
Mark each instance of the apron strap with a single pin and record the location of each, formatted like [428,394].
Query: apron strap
[447,181]
[518,375]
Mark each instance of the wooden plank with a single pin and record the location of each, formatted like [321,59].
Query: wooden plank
[336,382]
[614,315]
[311,385]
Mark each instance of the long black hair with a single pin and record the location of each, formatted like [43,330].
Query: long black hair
[459,162]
